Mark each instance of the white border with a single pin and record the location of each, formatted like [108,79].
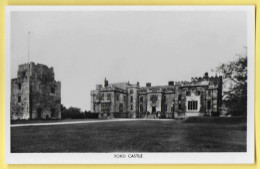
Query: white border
[148,158]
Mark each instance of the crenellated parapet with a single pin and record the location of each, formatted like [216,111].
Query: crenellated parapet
[202,81]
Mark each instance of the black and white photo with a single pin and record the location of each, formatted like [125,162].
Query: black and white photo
[130,84]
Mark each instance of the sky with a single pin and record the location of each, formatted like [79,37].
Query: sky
[84,47]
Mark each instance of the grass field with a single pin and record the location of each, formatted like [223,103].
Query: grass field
[133,136]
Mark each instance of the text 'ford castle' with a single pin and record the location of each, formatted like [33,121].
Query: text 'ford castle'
[199,97]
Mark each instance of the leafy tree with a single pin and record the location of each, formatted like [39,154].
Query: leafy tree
[17,110]
[235,85]
[72,113]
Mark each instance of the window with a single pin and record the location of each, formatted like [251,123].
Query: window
[209,92]
[208,104]
[131,91]
[53,112]
[165,108]
[19,86]
[121,107]
[131,99]
[23,74]
[198,92]
[52,90]
[179,97]
[19,99]
[153,98]
[192,105]
[179,106]
[131,108]
[109,97]
[141,108]
[125,99]
[117,97]
[105,107]
[188,93]
[141,99]
[164,98]
[172,108]
[102,96]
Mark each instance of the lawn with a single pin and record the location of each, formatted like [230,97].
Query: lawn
[133,136]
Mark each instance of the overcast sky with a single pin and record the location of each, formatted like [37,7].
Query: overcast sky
[156,47]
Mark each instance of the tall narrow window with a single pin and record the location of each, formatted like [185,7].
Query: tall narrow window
[131,108]
[125,98]
[172,108]
[53,110]
[209,92]
[141,108]
[208,104]
[19,99]
[52,90]
[131,99]
[109,97]
[165,108]
[19,86]
[121,107]
[141,99]
[179,97]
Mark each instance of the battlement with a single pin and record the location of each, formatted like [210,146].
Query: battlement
[195,81]
[205,80]
[35,70]
[111,87]
[33,64]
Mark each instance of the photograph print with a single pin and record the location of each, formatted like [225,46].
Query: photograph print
[129,84]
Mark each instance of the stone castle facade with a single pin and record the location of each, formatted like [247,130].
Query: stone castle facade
[35,94]
[200,97]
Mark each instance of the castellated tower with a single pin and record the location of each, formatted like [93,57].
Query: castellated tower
[35,94]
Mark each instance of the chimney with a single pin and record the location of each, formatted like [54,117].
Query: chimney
[171,83]
[105,83]
[148,84]
[206,75]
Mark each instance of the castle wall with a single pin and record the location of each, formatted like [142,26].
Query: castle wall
[43,101]
[19,109]
[201,96]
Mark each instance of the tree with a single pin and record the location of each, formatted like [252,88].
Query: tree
[17,110]
[72,113]
[235,85]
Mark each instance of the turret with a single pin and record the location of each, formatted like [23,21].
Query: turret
[105,83]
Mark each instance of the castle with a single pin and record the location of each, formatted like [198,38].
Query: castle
[200,97]
[35,94]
